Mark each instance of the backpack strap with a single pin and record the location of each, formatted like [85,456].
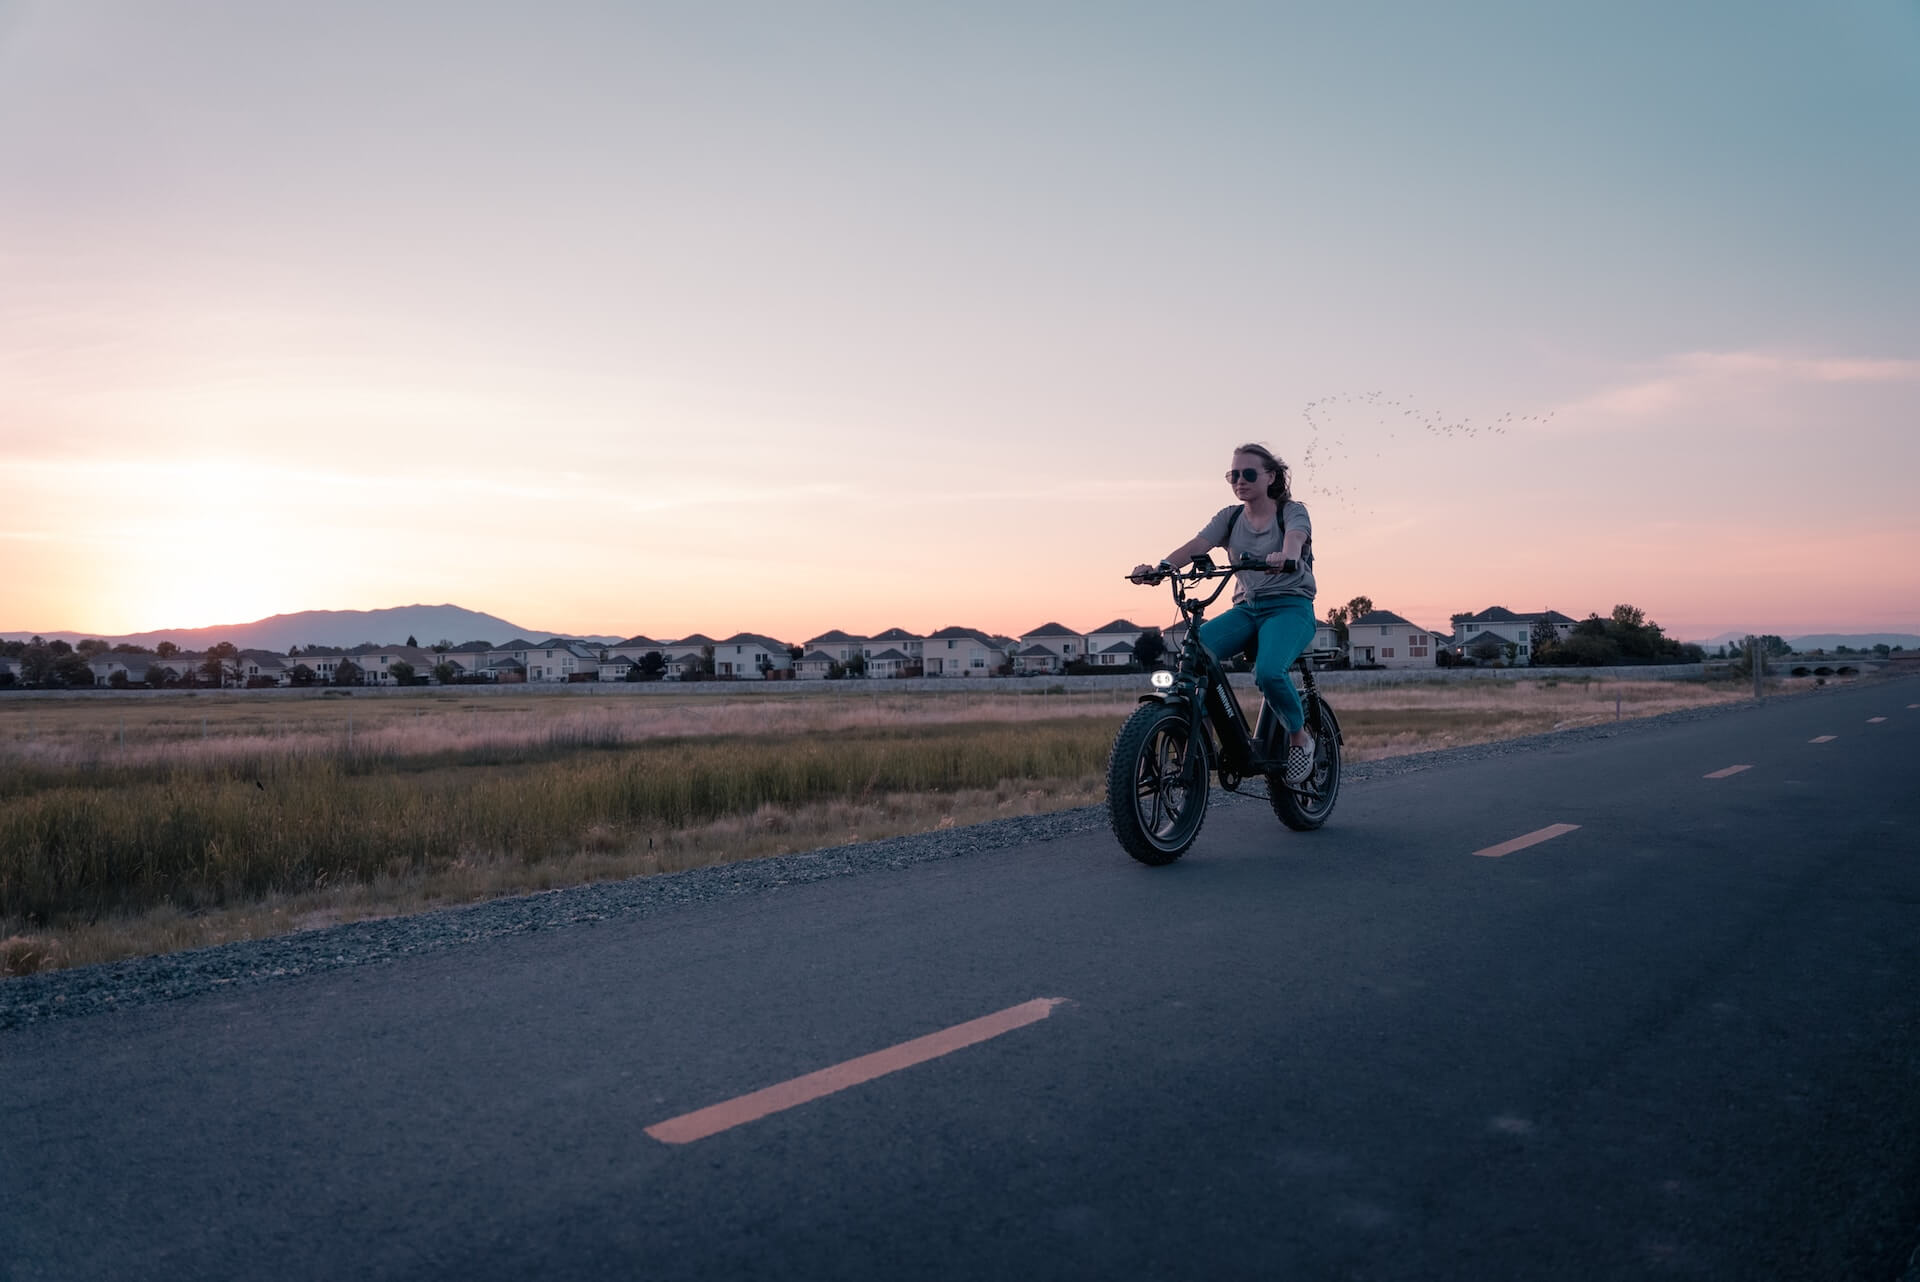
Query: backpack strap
[1232,521]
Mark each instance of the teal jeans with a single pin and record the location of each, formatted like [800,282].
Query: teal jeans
[1285,625]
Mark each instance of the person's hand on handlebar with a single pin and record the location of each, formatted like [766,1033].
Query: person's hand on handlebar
[1282,564]
[1150,573]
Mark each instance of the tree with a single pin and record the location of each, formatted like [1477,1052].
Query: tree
[300,675]
[87,649]
[36,662]
[346,673]
[411,643]
[1487,649]
[445,671]
[1337,619]
[166,649]
[1543,638]
[442,646]
[1149,648]
[1359,608]
[652,665]
[401,671]
[70,669]
[119,679]
[220,662]
[1628,616]
[857,666]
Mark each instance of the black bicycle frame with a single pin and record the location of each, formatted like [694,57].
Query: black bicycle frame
[1201,686]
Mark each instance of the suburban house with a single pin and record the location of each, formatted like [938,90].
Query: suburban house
[1497,625]
[638,648]
[1119,655]
[685,655]
[615,667]
[907,643]
[842,647]
[376,662]
[890,663]
[813,665]
[511,658]
[962,652]
[750,655]
[1102,641]
[259,665]
[1033,659]
[1062,641]
[137,667]
[1384,639]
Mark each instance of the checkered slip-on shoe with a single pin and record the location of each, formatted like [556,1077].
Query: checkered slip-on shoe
[1299,764]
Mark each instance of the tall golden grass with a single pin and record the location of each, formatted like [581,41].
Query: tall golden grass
[129,825]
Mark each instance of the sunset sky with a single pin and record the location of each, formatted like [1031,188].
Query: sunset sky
[619,317]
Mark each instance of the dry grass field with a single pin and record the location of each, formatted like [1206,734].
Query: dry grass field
[138,825]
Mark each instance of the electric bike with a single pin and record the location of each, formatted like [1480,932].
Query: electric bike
[1191,728]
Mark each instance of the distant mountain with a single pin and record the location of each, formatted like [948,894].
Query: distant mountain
[425,623]
[1826,640]
[1863,641]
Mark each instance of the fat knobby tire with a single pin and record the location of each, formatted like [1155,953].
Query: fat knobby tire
[1142,734]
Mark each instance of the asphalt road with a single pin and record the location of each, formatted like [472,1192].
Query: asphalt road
[1680,1039]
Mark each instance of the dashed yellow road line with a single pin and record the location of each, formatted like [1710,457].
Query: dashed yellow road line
[1533,838]
[751,1107]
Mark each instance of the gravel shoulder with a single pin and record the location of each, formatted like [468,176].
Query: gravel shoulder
[90,990]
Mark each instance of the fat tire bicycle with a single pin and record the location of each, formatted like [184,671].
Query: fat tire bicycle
[1191,729]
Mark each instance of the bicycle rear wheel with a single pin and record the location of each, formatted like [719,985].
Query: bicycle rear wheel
[1306,805]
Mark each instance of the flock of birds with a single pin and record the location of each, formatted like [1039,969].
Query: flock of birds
[1335,435]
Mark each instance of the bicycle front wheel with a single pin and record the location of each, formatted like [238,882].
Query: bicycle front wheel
[1157,784]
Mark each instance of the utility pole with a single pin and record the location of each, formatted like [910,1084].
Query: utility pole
[1758,662]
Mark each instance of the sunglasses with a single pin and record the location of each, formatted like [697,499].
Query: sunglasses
[1247,474]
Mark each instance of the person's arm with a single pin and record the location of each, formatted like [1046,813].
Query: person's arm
[1294,542]
[1178,558]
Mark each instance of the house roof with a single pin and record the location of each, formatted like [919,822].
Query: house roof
[1119,647]
[967,634]
[627,659]
[1118,625]
[754,638]
[518,643]
[504,664]
[1383,618]
[835,637]
[896,634]
[646,641]
[817,656]
[1035,651]
[696,640]
[1492,614]
[1494,637]
[472,647]
[897,657]
[1050,630]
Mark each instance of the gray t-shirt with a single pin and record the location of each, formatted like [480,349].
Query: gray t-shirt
[1261,544]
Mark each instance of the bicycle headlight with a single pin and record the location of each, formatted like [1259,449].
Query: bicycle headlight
[1162,680]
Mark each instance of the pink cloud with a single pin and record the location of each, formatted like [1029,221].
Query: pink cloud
[1693,376]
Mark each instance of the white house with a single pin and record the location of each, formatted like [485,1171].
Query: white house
[376,662]
[508,661]
[260,665]
[813,665]
[1103,638]
[615,667]
[1383,638]
[890,663]
[1063,641]
[1035,658]
[907,643]
[962,652]
[1117,655]
[558,659]
[684,657]
[637,648]
[842,646]
[748,655]
[1501,626]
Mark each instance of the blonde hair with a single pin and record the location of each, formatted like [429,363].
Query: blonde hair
[1281,489]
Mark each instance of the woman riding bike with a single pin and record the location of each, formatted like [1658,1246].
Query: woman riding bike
[1273,607]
